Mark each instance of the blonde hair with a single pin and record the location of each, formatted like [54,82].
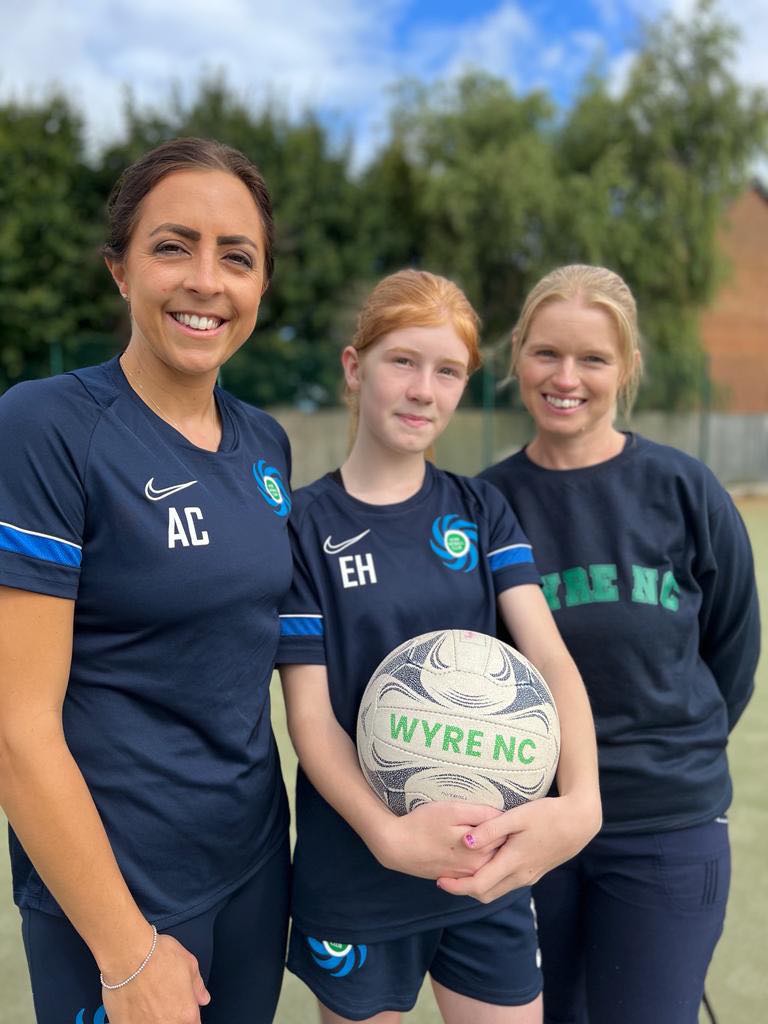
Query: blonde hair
[414,298]
[594,286]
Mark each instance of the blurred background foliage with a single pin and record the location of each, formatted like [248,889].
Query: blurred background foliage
[472,180]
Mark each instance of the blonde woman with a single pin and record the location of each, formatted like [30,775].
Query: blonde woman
[647,569]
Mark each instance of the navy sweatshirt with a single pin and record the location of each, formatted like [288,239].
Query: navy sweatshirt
[648,570]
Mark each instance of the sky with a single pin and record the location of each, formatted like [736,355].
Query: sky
[340,57]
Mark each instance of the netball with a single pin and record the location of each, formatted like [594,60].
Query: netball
[457,715]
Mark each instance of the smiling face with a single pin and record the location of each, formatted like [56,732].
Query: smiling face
[570,371]
[408,384]
[193,272]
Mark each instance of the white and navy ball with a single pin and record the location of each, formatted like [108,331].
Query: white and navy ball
[457,715]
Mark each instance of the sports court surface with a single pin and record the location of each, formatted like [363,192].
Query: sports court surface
[738,979]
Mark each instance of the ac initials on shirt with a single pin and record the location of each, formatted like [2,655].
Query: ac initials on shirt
[178,534]
[355,568]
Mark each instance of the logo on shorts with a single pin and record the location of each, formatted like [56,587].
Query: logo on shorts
[454,541]
[271,487]
[100,1017]
[339,958]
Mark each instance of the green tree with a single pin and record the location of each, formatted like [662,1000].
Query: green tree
[650,172]
[495,189]
[474,181]
[49,236]
[393,222]
[693,132]
[470,165]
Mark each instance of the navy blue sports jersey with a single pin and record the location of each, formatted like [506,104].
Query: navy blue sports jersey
[366,578]
[177,559]
[648,571]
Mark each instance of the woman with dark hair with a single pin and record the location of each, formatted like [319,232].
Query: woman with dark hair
[143,554]
[647,568]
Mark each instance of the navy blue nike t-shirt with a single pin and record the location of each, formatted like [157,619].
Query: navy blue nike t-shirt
[177,559]
[367,578]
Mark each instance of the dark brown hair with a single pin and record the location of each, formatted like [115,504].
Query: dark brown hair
[138,180]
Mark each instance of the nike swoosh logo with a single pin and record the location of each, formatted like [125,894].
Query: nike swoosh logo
[333,549]
[158,493]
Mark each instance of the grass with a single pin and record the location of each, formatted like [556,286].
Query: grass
[738,980]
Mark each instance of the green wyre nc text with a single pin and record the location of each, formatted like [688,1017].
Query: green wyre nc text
[453,737]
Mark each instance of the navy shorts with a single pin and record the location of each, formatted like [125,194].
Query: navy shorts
[239,944]
[493,959]
[628,927]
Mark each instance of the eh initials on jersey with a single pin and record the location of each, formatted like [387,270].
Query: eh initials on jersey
[356,570]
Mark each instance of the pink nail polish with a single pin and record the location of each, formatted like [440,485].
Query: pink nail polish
[469,839]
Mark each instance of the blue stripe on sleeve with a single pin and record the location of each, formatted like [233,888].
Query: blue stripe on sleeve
[39,545]
[301,625]
[515,554]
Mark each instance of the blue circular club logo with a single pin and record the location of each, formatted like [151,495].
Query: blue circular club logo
[454,541]
[338,958]
[271,487]
[100,1017]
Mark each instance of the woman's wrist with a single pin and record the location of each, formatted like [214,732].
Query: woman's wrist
[120,955]
[112,986]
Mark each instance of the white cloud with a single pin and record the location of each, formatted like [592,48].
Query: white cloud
[332,54]
[749,17]
[619,69]
[497,42]
[608,11]
[500,43]
[552,57]
[338,56]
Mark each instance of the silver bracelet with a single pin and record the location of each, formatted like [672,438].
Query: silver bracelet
[138,970]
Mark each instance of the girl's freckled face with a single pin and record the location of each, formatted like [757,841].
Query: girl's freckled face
[409,384]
